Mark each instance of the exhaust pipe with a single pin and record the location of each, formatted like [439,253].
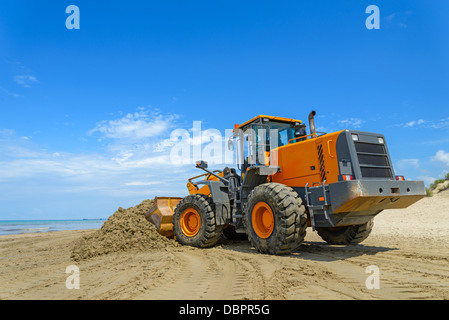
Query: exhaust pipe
[312,122]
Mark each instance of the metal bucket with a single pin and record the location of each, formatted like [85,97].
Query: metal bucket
[161,214]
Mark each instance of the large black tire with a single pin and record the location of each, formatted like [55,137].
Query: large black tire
[290,222]
[346,235]
[205,232]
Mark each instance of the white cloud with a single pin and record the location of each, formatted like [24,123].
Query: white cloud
[163,145]
[414,169]
[134,126]
[9,93]
[413,123]
[398,19]
[390,17]
[408,163]
[25,80]
[442,156]
[427,180]
[6,133]
[442,123]
[428,124]
[13,146]
[351,123]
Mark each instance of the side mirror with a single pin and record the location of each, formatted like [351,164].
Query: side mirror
[201,164]
[300,131]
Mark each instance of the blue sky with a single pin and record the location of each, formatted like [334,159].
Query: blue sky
[86,115]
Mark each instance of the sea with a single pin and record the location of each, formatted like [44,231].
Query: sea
[35,226]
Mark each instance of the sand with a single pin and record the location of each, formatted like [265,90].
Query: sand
[410,248]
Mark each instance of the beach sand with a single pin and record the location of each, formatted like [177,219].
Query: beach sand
[410,248]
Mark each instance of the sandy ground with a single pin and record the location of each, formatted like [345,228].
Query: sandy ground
[410,247]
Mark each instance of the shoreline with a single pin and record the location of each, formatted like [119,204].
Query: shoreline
[10,227]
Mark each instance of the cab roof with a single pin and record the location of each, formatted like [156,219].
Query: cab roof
[279,119]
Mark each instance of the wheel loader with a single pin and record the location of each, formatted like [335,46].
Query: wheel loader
[286,181]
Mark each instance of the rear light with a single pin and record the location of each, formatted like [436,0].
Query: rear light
[400,178]
[347,177]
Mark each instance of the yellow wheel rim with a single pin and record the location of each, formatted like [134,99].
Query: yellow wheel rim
[190,222]
[263,220]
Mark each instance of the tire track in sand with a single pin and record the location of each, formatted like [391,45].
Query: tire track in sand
[403,274]
[207,274]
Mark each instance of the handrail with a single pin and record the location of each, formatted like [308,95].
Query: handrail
[201,175]
[303,137]
[309,136]
[204,174]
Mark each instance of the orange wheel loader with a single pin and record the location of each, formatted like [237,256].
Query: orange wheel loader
[286,181]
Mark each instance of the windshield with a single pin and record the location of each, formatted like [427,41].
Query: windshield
[285,132]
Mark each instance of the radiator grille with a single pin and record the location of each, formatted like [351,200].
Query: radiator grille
[373,160]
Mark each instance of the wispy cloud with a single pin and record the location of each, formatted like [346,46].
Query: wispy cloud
[390,17]
[351,122]
[427,179]
[419,168]
[408,163]
[414,169]
[134,126]
[442,156]
[25,80]
[9,93]
[442,123]
[432,124]
[413,123]
[398,19]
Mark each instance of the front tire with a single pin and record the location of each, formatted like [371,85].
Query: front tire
[274,219]
[194,222]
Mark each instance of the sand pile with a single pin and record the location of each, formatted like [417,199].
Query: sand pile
[125,230]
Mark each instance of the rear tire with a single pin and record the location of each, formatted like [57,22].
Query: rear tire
[346,235]
[274,219]
[194,222]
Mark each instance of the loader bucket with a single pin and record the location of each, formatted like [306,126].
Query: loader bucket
[161,214]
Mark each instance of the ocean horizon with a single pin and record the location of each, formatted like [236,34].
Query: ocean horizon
[8,227]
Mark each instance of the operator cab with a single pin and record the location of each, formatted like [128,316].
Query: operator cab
[255,139]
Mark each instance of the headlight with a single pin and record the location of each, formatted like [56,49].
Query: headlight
[355,137]
[381,140]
